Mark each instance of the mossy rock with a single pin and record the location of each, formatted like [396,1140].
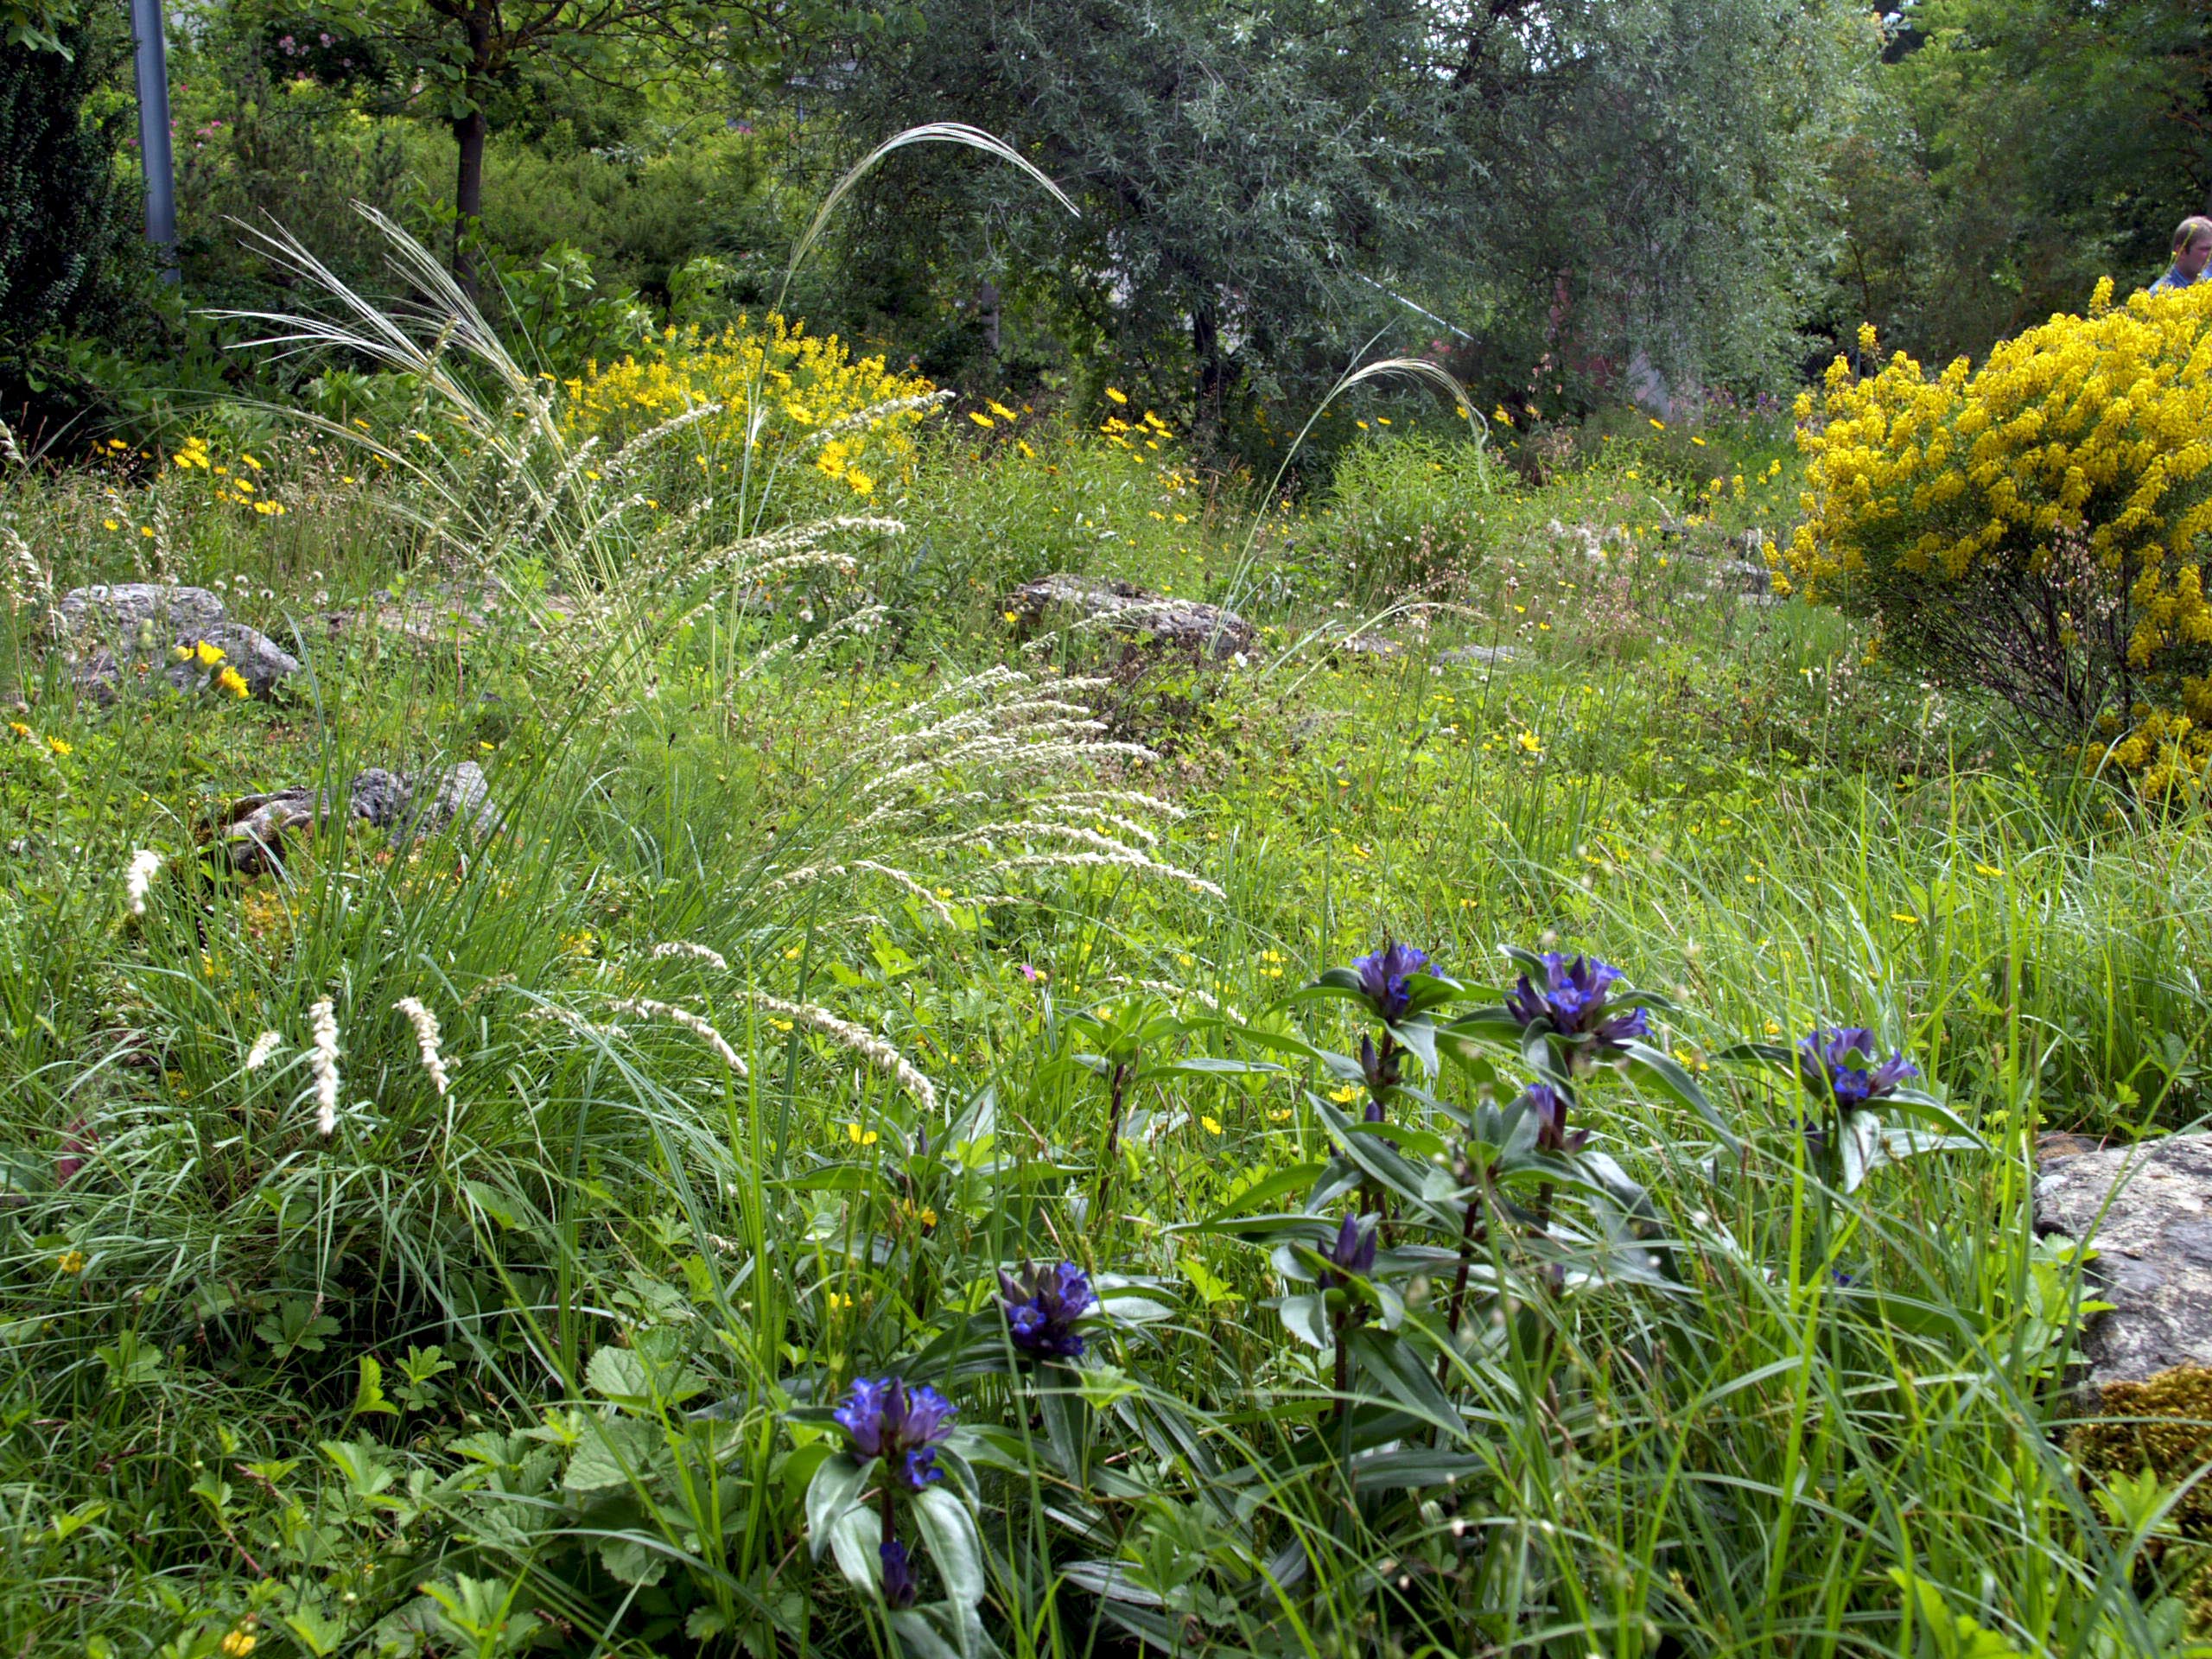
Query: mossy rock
[2163,1424]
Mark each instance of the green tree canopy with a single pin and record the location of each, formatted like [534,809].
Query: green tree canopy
[1593,179]
[2016,151]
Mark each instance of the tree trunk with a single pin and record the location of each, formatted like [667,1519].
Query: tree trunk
[1206,347]
[469,132]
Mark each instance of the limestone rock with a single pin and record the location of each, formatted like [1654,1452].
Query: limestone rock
[118,613]
[1173,624]
[1382,646]
[1480,656]
[407,805]
[129,633]
[2147,1210]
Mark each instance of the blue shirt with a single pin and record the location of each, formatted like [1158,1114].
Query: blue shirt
[2173,281]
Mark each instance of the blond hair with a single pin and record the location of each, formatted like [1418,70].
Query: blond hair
[2191,231]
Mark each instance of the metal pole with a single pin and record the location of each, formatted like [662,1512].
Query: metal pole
[153,64]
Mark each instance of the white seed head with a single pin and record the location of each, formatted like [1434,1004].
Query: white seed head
[426,1039]
[322,1061]
[145,865]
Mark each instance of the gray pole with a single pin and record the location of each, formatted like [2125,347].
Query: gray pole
[154,132]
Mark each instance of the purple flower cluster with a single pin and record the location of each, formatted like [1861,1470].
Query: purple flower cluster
[898,1587]
[1549,1105]
[1572,1001]
[902,1426]
[1042,1306]
[1837,1064]
[1353,1251]
[1383,977]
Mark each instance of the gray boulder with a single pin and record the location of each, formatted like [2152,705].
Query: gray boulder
[129,633]
[1480,656]
[407,805]
[2147,1210]
[126,610]
[1122,608]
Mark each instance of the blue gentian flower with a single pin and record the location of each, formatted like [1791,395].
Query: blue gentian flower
[1042,1306]
[1573,1002]
[1550,1106]
[897,1573]
[1353,1251]
[1383,977]
[904,1427]
[1836,1064]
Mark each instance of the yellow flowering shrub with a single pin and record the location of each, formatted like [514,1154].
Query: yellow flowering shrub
[815,396]
[2039,526]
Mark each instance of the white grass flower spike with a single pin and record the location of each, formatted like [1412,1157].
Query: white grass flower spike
[322,1061]
[138,880]
[426,1039]
[264,1046]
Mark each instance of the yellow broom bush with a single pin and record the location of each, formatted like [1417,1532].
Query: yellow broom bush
[821,410]
[2038,527]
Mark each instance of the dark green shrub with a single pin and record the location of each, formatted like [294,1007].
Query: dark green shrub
[67,211]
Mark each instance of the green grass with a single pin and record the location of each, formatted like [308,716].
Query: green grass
[542,1363]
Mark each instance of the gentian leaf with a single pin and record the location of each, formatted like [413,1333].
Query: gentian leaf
[954,1544]
[1417,1037]
[835,1488]
[1916,1102]
[1209,1065]
[918,1635]
[1307,1318]
[1666,1072]
[1861,1143]
[855,1537]
[1407,1381]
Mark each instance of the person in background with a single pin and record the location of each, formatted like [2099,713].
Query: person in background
[2192,253]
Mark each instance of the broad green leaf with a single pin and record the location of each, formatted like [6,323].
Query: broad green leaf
[1208,1065]
[835,1488]
[619,1374]
[1308,1319]
[855,1538]
[634,1561]
[610,1454]
[1664,1071]
[954,1544]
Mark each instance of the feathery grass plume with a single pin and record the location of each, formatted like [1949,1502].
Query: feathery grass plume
[10,451]
[426,1038]
[138,878]
[864,1043]
[22,578]
[1419,370]
[264,1047]
[1108,860]
[685,947]
[690,1022]
[897,878]
[322,1061]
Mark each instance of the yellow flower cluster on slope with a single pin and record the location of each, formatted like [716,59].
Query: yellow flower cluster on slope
[2088,435]
[812,392]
